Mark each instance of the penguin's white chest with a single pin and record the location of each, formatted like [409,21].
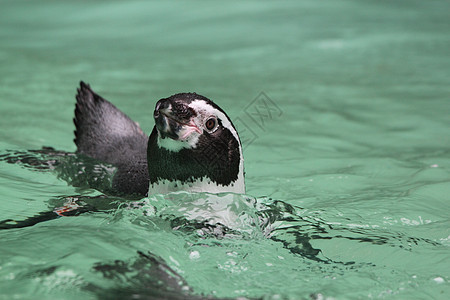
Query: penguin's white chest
[199,185]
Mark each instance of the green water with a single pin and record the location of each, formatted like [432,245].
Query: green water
[357,140]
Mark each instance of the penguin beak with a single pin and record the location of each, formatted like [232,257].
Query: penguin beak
[170,124]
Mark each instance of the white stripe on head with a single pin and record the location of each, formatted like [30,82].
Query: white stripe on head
[205,109]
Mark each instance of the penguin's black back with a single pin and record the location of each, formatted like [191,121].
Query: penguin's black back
[104,133]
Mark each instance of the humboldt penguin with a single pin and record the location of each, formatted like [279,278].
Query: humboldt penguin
[193,146]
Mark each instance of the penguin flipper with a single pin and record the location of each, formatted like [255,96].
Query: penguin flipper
[105,133]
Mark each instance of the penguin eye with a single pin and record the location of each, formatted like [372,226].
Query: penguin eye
[210,123]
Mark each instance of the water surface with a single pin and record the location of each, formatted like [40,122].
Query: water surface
[348,172]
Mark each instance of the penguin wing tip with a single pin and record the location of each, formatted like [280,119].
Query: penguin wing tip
[84,85]
[84,92]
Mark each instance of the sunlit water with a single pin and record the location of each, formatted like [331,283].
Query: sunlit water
[347,168]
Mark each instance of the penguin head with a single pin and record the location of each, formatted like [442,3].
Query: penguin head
[194,146]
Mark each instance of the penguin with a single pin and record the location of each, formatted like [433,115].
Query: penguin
[193,146]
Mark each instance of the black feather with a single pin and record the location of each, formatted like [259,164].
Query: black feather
[105,133]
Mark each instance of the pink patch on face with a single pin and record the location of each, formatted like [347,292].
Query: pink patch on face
[190,127]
